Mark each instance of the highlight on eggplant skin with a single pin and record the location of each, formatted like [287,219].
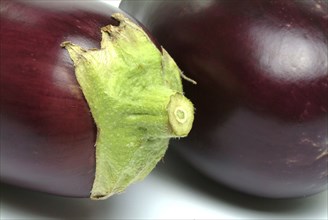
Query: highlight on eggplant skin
[47,132]
[261,98]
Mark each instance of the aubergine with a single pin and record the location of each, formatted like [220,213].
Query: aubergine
[262,95]
[88,101]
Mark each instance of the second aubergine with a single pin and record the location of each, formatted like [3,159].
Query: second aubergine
[262,93]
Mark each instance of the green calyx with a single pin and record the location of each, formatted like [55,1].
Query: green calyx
[134,92]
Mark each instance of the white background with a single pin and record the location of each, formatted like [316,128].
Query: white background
[173,191]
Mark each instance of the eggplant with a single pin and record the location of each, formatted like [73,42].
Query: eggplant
[262,95]
[88,100]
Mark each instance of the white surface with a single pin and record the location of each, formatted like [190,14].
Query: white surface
[172,191]
[115,3]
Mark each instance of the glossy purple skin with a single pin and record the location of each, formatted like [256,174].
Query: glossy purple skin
[47,131]
[262,94]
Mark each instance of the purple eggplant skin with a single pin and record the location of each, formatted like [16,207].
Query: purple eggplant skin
[47,131]
[261,99]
